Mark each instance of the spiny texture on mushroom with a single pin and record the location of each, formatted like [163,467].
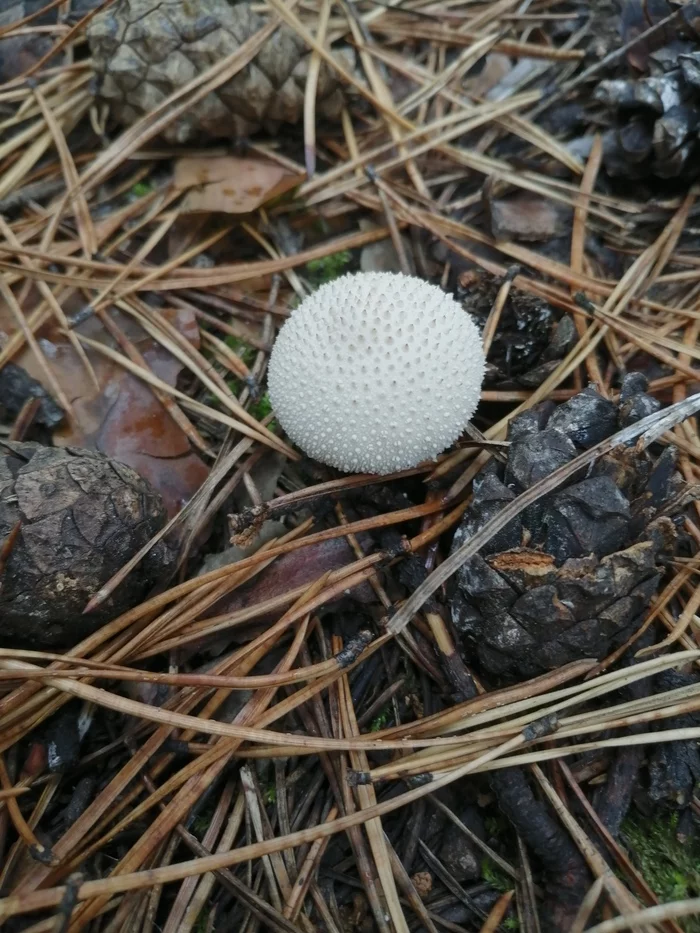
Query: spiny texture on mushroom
[375,372]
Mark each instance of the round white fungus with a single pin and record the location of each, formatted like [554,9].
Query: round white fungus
[376,372]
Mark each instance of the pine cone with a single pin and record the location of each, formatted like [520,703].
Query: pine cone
[81,517]
[571,577]
[656,118]
[21,49]
[531,338]
[144,50]
[657,123]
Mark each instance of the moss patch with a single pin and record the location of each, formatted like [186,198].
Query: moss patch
[495,876]
[670,868]
[328,268]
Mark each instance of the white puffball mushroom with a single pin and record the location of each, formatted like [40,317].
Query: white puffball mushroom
[375,372]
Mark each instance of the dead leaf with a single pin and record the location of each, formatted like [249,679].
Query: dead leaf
[231,184]
[526,217]
[496,67]
[299,568]
[124,420]
[289,571]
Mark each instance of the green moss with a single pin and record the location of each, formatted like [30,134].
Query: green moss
[670,868]
[141,189]
[495,876]
[496,824]
[241,349]
[200,824]
[328,268]
[380,722]
[262,408]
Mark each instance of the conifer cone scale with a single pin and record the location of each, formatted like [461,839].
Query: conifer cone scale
[145,50]
[573,575]
[71,519]
[652,105]
[531,338]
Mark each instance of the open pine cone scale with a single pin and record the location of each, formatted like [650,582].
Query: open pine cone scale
[145,50]
[573,575]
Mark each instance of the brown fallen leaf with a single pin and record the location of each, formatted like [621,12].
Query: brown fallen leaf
[231,184]
[496,67]
[299,568]
[526,217]
[124,420]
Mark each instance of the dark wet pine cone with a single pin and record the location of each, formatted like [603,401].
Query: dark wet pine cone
[144,50]
[20,49]
[654,118]
[572,576]
[531,338]
[83,516]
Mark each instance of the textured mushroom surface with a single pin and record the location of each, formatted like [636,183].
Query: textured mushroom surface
[376,372]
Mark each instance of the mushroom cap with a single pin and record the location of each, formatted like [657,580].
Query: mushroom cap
[375,372]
